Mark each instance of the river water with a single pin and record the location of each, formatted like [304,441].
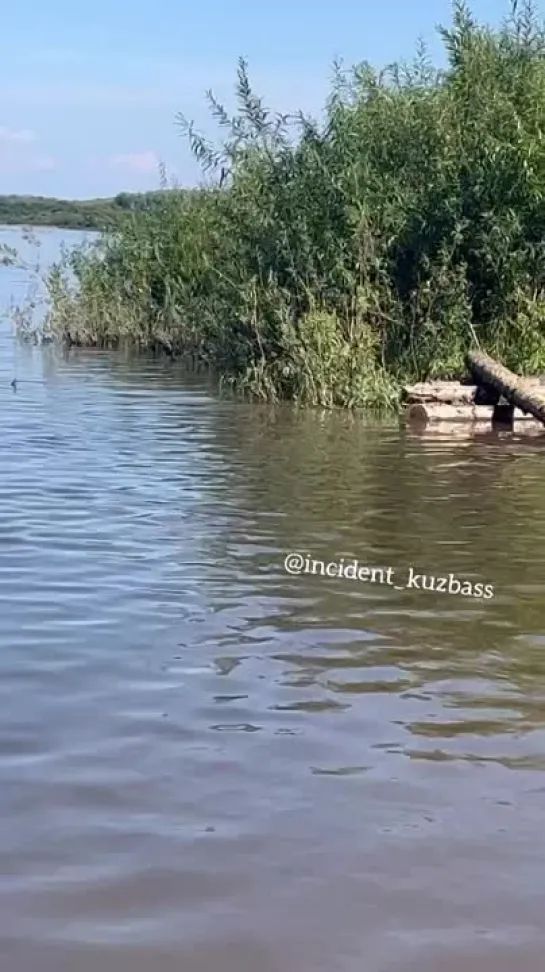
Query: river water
[207,763]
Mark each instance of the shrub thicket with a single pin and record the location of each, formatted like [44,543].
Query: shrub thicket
[326,262]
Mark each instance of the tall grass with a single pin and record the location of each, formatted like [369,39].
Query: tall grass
[328,261]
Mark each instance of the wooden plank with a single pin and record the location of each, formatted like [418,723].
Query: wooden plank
[424,412]
[465,433]
[448,392]
[456,393]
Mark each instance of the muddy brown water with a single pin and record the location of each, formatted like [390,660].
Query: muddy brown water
[207,763]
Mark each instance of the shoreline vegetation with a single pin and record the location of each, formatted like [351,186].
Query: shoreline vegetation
[330,262]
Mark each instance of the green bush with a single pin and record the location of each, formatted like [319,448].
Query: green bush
[328,262]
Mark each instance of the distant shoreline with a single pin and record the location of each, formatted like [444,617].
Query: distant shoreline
[11,227]
[77,214]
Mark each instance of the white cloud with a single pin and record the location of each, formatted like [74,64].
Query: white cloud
[16,136]
[20,153]
[142,163]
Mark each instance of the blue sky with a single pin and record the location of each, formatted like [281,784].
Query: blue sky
[88,92]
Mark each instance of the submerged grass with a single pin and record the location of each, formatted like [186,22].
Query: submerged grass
[327,262]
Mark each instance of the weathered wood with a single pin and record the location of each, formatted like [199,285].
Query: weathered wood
[455,393]
[464,433]
[448,392]
[424,412]
[523,393]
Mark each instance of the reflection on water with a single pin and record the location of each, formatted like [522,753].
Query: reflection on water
[207,763]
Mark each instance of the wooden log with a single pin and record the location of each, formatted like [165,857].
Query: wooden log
[425,412]
[464,433]
[455,393]
[522,393]
[448,392]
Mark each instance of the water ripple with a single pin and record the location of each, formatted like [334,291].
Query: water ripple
[205,762]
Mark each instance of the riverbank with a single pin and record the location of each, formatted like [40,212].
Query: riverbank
[332,262]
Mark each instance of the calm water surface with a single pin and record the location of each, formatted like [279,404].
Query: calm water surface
[207,764]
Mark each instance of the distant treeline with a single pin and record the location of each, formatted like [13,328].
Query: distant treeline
[73,214]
